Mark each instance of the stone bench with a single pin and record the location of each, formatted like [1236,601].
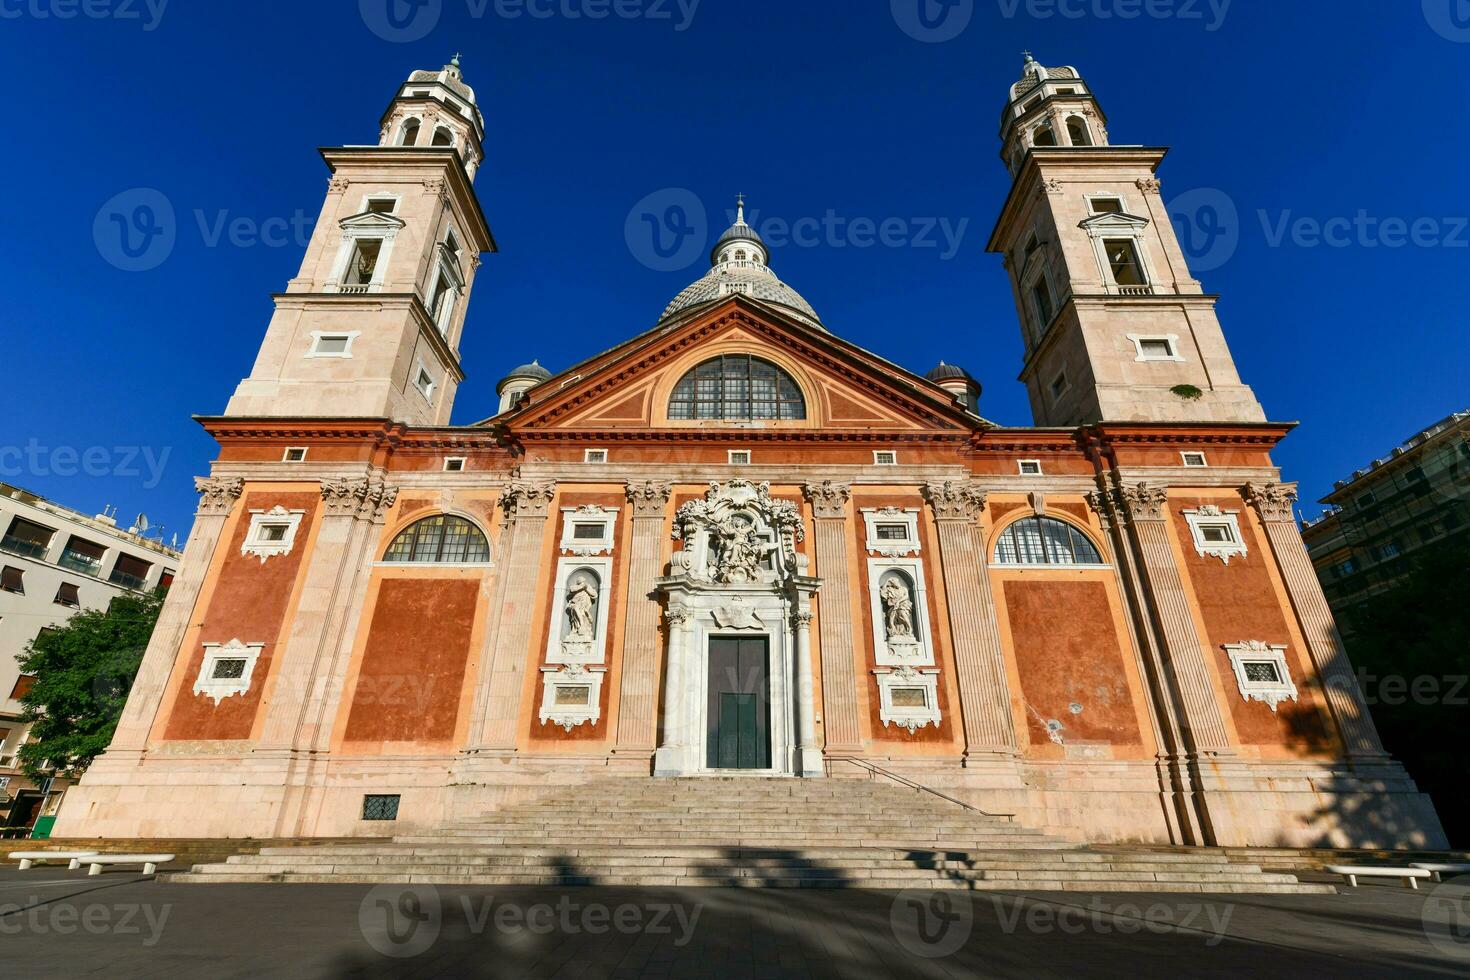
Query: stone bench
[1437,870]
[150,862]
[1352,872]
[29,858]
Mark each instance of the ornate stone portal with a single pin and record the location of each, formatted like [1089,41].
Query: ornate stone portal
[738,574]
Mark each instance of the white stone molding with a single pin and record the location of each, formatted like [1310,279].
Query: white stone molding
[1215,532]
[875,518]
[578,633]
[271,532]
[910,641]
[908,697]
[1261,672]
[1140,355]
[227,669]
[582,519]
[737,614]
[737,535]
[346,351]
[365,226]
[571,695]
[1119,225]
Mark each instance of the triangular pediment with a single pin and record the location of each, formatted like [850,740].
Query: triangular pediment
[844,388]
[1113,221]
[370,220]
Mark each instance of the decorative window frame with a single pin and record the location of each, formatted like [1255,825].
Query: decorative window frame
[588,454]
[1021,465]
[920,653]
[1172,339]
[286,454]
[370,224]
[588,514]
[733,453]
[1092,208]
[464,464]
[559,651]
[1204,461]
[262,549]
[420,369]
[569,716]
[925,678]
[1037,267]
[219,688]
[1120,225]
[316,340]
[1210,515]
[1270,693]
[371,196]
[892,459]
[907,516]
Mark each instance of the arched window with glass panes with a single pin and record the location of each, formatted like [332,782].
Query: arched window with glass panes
[442,540]
[1045,541]
[737,387]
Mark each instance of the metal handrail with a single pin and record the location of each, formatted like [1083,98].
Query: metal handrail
[905,781]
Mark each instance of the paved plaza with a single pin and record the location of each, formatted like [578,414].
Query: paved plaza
[59,923]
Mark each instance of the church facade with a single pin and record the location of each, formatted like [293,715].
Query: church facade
[738,544]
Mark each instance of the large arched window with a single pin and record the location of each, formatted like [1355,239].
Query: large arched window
[443,538]
[408,134]
[1045,541]
[737,387]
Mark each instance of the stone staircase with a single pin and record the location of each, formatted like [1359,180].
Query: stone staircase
[751,832]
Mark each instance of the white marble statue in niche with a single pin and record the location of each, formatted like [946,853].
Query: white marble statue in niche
[897,598]
[581,614]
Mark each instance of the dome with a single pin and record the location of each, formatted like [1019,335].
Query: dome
[948,372]
[1034,73]
[533,371]
[733,272]
[449,76]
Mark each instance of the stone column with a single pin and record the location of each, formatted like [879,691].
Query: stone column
[637,701]
[671,759]
[1202,720]
[1273,502]
[217,498]
[839,673]
[985,700]
[528,505]
[808,753]
[303,678]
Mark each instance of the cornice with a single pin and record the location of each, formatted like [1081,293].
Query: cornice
[405,157]
[1027,181]
[412,301]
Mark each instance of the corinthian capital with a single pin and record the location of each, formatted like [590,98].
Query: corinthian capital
[954,501]
[649,499]
[1273,501]
[828,499]
[367,498]
[1143,501]
[527,499]
[217,494]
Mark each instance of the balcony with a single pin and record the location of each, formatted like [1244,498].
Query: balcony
[353,289]
[26,547]
[127,580]
[1135,290]
[78,562]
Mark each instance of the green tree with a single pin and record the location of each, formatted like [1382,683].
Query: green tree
[83,672]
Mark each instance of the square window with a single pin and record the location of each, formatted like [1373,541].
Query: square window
[11,580]
[739,457]
[1030,467]
[380,807]
[1194,459]
[1059,385]
[272,532]
[294,454]
[1107,205]
[382,205]
[68,595]
[231,669]
[594,456]
[893,532]
[1261,672]
[424,382]
[885,457]
[454,464]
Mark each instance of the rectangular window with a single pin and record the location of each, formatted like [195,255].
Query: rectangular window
[1345,568]
[331,344]
[910,697]
[363,263]
[1041,298]
[588,532]
[382,205]
[424,382]
[294,454]
[1155,348]
[23,685]
[166,579]
[380,807]
[232,669]
[885,457]
[1059,385]
[594,456]
[1391,550]
[1107,205]
[11,580]
[1261,672]
[1194,459]
[572,695]
[272,532]
[68,595]
[454,464]
[739,457]
[893,532]
[1217,533]
[1029,467]
[1123,261]
[25,538]
[83,556]
[130,572]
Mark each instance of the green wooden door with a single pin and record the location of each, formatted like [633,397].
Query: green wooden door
[739,703]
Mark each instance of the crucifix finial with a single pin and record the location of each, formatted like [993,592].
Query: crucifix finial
[740,208]
[455,60]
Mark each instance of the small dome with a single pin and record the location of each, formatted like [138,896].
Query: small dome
[948,372]
[450,77]
[741,232]
[533,372]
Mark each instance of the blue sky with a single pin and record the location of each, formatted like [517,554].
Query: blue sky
[1339,117]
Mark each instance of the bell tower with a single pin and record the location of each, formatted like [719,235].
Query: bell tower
[1115,327]
[370,326]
